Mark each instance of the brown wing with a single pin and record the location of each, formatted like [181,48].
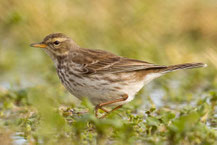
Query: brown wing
[98,61]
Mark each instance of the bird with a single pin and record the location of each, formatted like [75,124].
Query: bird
[104,78]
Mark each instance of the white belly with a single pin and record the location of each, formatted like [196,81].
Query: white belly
[98,90]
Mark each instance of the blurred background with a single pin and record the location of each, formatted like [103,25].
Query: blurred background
[162,32]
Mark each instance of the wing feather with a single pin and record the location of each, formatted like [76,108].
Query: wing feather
[99,61]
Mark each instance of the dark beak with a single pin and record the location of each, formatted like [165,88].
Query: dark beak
[39,45]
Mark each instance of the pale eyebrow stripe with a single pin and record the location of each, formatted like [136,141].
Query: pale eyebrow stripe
[59,39]
[56,39]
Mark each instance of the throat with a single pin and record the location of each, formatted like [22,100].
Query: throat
[61,62]
[57,59]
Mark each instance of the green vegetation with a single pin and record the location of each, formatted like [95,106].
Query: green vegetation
[179,108]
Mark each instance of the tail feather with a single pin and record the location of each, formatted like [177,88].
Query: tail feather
[183,66]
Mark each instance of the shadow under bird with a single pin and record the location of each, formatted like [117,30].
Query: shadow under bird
[104,78]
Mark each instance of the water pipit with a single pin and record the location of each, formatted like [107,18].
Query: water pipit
[104,78]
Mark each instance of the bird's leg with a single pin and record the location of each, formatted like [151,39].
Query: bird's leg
[99,106]
[119,106]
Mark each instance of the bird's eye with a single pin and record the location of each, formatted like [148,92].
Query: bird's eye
[56,42]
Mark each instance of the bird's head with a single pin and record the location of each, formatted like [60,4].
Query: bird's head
[56,44]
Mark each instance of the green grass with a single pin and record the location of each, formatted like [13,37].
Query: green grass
[41,122]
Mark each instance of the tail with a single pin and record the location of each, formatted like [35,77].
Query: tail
[182,66]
